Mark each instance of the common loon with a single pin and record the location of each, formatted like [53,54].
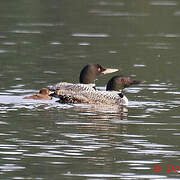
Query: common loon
[87,78]
[112,95]
[44,94]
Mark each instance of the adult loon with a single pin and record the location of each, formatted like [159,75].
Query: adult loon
[112,95]
[87,78]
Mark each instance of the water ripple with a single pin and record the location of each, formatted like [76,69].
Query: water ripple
[83,44]
[11,167]
[121,14]
[163,35]
[141,162]
[157,152]
[121,175]
[9,43]
[95,35]
[103,3]
[40,24]
[163,3]
[26,31]
[6,51]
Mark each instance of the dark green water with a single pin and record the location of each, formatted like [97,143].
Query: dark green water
[45,42]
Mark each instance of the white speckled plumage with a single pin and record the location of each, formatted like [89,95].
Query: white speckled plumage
[72,87]
[92,97]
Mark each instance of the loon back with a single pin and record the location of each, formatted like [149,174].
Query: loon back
[61,85]
[93,97]
[72,87]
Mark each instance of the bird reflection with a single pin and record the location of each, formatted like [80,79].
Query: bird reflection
[103,118]
[106,124]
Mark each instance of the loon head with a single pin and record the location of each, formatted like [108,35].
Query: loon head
[91,72]
[45,91]
[118,83]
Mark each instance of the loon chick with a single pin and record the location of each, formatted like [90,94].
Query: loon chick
[44,94]
[87,77]
[119,82]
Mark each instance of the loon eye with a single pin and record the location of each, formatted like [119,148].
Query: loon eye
[99,68]
[121,95]
[123,81]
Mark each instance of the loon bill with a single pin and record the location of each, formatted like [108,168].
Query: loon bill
[87,78]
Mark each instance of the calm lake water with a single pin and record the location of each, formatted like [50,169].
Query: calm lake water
[45,42]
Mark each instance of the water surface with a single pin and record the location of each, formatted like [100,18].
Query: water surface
[45,43]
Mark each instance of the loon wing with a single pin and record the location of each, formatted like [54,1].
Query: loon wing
[91,97]
[72,87]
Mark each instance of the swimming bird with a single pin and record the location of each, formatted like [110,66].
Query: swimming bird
[87,78]
[113,94]
[44,94]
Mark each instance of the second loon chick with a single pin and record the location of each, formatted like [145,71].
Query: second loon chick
[87,78]
[44,94]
